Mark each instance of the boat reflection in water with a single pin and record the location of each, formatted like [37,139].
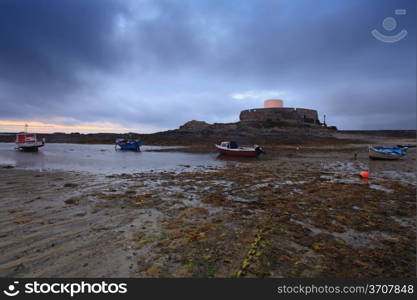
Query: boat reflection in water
[28,159]
[240,159]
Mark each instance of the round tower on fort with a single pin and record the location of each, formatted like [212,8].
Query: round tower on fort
[273,103]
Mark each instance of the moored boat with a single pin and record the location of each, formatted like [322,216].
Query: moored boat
[125,144]
[232,148]
[28,141]
[389,153]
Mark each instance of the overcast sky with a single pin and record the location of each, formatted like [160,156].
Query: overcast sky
[146,66]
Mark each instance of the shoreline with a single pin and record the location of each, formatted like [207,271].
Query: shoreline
[209,134]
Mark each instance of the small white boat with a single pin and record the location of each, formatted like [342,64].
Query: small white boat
[232,148]
[389,153]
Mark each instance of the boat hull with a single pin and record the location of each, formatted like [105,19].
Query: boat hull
[129,146]
[378,155]
[29,147]
[237,152]
[383,157]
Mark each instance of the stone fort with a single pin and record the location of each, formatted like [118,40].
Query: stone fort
[274,113]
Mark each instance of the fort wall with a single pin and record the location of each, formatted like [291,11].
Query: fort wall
[289,115]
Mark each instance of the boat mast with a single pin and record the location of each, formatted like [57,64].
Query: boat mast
[26,128]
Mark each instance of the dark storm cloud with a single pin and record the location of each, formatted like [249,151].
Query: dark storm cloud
[165,62]
[44,43]
[317,43]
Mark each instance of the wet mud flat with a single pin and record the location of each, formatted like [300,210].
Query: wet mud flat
[303,213]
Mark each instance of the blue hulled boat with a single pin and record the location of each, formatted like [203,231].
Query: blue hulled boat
[391,153]
[125,144]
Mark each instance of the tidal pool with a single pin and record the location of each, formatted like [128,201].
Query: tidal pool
[103,159]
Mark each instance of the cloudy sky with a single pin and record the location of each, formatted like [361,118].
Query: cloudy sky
[150,65]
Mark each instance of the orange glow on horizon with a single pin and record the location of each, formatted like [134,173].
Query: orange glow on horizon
[17,126]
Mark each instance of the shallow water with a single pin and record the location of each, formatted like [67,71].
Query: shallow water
[103,159]
[380,171]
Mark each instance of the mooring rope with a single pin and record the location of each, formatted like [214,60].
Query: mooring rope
[251,253]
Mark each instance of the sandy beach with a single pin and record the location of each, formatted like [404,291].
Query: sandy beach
[299,211]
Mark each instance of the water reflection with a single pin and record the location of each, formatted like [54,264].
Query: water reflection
[102,159]
[32,160]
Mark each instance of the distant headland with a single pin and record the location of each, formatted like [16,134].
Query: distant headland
[272,124]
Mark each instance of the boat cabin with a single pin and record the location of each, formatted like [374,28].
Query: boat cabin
[230,145]
[25,138]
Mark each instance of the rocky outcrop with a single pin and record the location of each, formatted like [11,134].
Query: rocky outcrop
[197,132]
[194,125]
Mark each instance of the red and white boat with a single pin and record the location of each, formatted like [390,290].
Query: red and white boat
[28,141]
[232,148]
